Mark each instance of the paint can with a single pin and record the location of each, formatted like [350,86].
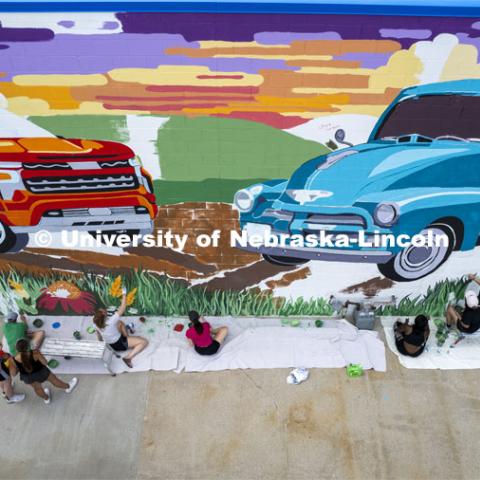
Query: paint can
[130,328]
[38,323]
[52,363]
[354,370]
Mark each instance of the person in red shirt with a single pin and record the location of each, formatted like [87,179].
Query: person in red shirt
[205,339]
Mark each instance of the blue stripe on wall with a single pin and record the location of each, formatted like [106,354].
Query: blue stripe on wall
[437,8]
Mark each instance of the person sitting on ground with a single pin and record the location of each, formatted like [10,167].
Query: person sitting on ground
[468,319]
[6,383]
[34,371]
[113,331]
[14,330]
[205,339]
[411,339]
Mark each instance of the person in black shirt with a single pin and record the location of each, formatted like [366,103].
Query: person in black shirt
[468,320]
[411,339]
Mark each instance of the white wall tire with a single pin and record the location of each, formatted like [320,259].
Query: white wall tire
[414,263]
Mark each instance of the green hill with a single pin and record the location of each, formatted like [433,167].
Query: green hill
[205,158]
[207,147]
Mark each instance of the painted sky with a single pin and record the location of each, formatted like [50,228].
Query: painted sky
[278,69]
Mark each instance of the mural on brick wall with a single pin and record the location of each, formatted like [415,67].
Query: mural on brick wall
[137,123]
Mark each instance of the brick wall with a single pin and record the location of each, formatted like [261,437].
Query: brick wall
[195,218]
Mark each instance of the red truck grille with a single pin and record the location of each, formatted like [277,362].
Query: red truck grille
[85,183]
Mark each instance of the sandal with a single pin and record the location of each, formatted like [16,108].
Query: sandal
[128,362]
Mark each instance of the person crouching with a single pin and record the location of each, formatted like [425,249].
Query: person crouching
[205,339]
[411,339]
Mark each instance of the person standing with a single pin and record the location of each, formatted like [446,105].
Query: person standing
[6,383]
[34,371]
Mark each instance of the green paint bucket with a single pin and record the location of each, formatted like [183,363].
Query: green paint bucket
[91,330]
[319,323]
[52,363]
[295,323]
[354,370]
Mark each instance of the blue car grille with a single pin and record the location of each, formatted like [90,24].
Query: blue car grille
[279,214]
[342,219]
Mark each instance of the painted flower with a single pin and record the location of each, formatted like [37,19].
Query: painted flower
[18,289]
[116,288]
[68,297]
[131,296]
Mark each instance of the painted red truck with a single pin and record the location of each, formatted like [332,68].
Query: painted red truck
[59,184]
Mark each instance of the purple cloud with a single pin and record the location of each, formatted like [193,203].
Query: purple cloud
[66,23]
[244,27]
[420,34]
[25,34]
[279,38]
[110,25]
[368,60]
[85,54]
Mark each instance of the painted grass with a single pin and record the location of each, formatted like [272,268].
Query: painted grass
[432,303]
[159,295]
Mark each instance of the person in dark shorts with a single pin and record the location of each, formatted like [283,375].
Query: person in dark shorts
[113,331]
[205,339]
[468,320]
[33,369]
[411,339]
[6,384]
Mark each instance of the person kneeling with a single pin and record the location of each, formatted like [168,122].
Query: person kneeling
[14,330]
[205,339]
[411,339]
[468,321]
[113,331]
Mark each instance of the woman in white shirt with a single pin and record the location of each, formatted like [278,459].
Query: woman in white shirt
[112,330]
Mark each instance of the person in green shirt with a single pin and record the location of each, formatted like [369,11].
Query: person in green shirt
[14,330]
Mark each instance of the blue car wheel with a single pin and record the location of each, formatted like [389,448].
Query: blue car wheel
[413,263]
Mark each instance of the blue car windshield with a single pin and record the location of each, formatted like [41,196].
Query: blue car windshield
[447,116]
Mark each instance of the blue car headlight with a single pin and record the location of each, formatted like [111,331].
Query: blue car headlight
[245,199]
[386,214]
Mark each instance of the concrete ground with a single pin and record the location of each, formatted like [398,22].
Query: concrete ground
[402,424]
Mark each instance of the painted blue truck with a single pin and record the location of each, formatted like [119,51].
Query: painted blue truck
[418,174]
